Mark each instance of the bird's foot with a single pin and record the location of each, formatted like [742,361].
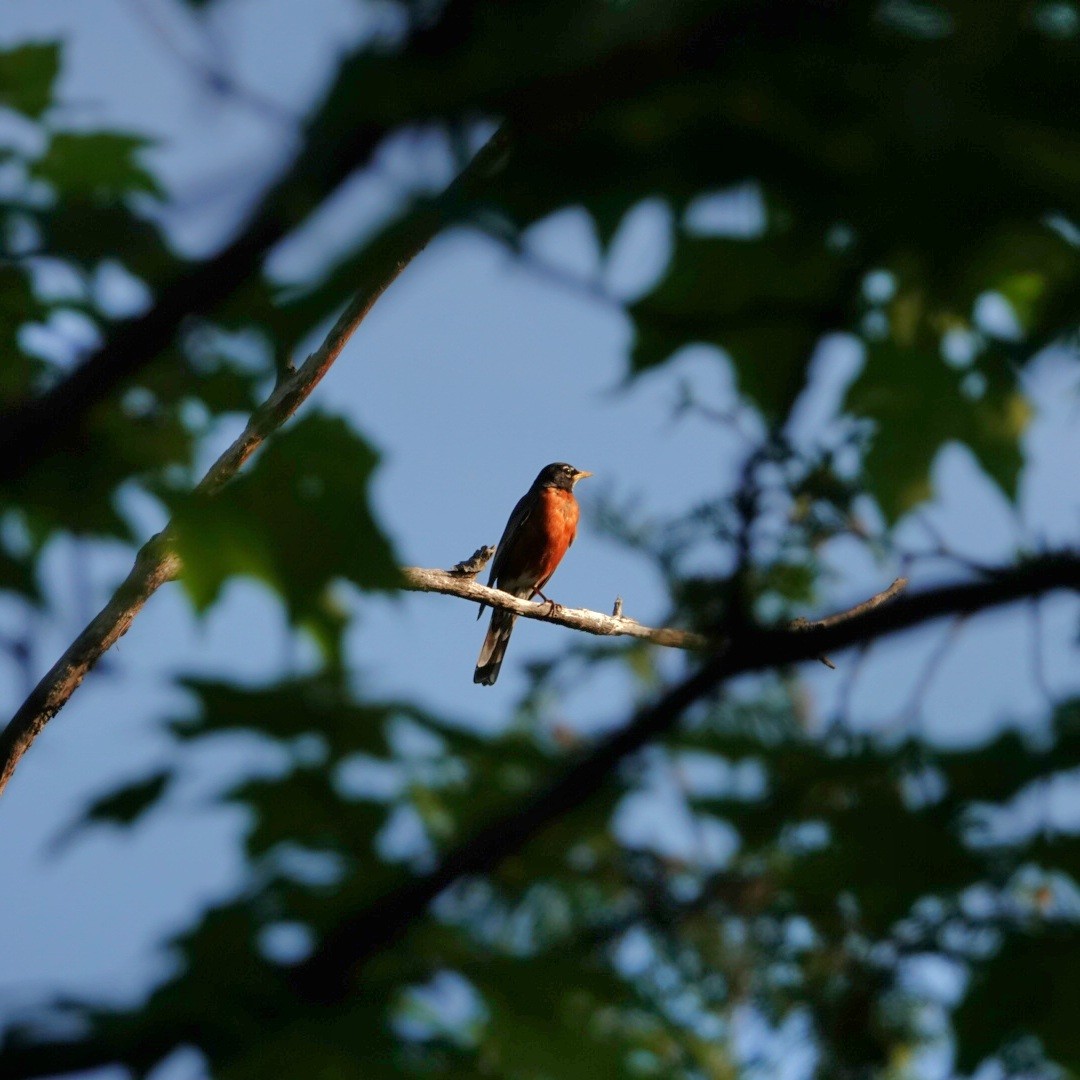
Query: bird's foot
[552,606]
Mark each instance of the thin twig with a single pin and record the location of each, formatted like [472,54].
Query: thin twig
[476,562]
[589,288]
[1038,653]
[875,601]
[910,713]
[942,549]
[883,597]
[214,77]
[157,561]
[847,691]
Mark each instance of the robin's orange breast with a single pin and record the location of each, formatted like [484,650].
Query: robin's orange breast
[542,540]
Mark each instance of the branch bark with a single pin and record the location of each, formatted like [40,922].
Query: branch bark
[460,581]
[419,579]
[157,562]
[330,971]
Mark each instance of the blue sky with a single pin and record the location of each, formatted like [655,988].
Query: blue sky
[470,374]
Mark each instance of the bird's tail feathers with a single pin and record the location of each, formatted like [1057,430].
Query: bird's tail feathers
[494,648]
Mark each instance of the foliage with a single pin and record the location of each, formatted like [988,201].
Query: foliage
[911,160]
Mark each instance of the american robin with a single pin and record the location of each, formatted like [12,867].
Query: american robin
[537,536]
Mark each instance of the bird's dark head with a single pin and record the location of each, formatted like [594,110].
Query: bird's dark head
[560,475]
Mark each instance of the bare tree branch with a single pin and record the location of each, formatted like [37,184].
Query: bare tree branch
[154,566]
[330,971]
[419,579]
[460,582]
[157,562]
[875,601]
[883,597]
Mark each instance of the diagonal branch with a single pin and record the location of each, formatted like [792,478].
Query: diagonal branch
[330,971]
[333,148]
[434,76]
[157,562]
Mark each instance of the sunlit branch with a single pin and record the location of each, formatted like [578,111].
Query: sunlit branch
[419,579]
[456,583]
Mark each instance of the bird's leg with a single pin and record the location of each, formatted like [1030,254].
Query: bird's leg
[547,600]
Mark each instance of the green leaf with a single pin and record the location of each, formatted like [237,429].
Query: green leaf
[83,233]
[298,521]
[304,808]
[28,76]
[17,575]
[765,302]
[541,1017]
[287,711]
[1027,989]
[18,307]
[918,404]
[99,165]
[126,804]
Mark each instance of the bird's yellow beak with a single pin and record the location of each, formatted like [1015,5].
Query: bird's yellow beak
[580,475]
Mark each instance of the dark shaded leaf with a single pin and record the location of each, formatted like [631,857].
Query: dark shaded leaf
[127,804]
[17,575]
[297,521]
[765,302]
[27,77]
[100,165]
[919,404]
[1029,988]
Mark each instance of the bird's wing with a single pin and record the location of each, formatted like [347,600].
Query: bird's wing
[518,517]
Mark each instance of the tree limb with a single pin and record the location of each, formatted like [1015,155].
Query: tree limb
[329,973]
[334,146]
[460,581]
[157,562]
[419,579]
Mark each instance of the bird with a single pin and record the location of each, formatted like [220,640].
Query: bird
[540,531]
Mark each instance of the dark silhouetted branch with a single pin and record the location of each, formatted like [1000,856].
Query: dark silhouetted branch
[332,149]
[329,973]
